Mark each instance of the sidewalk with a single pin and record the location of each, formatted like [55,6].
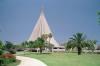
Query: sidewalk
[26,61]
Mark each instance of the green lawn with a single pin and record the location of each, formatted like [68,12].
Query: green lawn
[67,59]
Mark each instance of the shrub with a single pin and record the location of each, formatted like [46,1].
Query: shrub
[8,55]
[6,59]
[1,61]
[1,52]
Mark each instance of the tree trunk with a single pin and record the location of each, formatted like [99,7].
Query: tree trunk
[79,50]
[40,50]
[50,47]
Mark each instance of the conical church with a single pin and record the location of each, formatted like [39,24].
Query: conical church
[41,28]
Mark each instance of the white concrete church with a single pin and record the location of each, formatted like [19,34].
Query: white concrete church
[41,28]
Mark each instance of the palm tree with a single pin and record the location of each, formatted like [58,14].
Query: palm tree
[47,43]
[50,45]
[77,41]
[44,36]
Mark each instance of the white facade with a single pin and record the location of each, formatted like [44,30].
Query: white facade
[41,28]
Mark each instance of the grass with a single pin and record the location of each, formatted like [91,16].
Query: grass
[66,59]
[14,63]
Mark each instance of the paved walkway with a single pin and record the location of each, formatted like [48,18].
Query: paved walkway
[26,61]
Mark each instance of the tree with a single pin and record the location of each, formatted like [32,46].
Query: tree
[25,44]
[69,45]
[47,38]
[40,43]
[32,44]
[76,41]
[79,41]
[8,45]
[44,36]
[50,45]
[98,13]
[1,44]
[91,44]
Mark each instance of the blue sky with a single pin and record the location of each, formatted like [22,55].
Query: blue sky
[65,17]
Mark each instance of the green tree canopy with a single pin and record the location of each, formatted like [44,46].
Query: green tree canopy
[32,44]
[40,43]
[8,45]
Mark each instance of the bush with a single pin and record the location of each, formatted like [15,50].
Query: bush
[8,55]
[12,51]
[1,52]
[6,59]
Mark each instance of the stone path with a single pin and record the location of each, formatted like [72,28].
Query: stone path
[26,61]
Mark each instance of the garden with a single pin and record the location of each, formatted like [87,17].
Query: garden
[73,56]
[65,59]
[7,54]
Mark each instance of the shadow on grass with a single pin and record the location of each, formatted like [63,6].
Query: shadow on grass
[14,63]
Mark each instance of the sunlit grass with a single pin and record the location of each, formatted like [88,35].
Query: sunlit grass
[66,59]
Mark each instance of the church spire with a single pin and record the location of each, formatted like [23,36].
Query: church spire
[41,28]
[42,7]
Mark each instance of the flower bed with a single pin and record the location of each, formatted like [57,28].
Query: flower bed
[6,59]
